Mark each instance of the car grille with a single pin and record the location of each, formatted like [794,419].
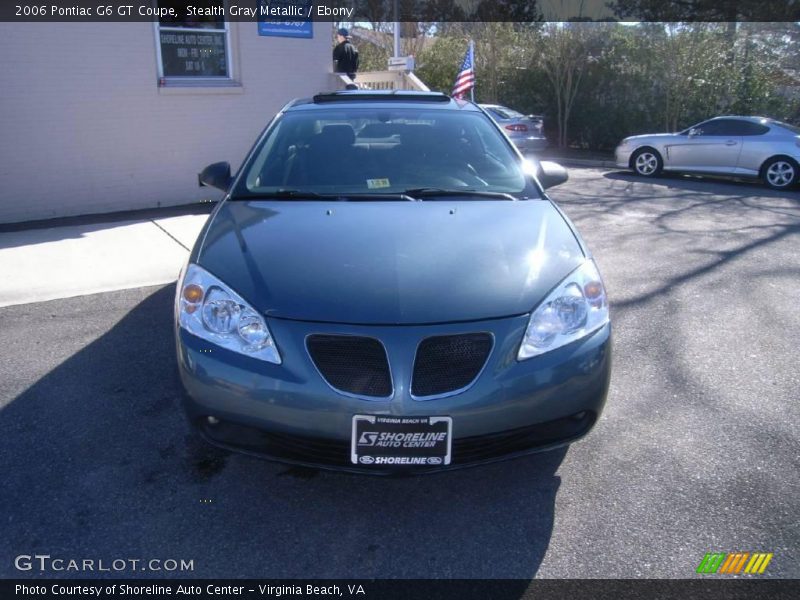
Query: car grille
[352,364]
[449,363]
[481,447]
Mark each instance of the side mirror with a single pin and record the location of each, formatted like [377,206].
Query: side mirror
[217,175]
[694,131]
[551,174]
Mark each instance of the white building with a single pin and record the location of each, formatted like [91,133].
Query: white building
[103,117]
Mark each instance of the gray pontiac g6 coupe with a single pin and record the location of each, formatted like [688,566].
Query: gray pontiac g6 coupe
[386,287]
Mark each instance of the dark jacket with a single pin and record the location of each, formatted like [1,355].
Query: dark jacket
[345,56]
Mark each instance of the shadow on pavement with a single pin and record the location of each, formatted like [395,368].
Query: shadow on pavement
[699,183]
[690,228]
[98,462]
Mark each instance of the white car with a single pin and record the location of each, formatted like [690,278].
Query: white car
[755,147]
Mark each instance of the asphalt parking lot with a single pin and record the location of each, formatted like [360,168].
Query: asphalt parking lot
[698,449]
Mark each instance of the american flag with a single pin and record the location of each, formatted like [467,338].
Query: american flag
[465,80]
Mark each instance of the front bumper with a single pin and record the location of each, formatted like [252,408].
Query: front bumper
[622,156]
[289,413]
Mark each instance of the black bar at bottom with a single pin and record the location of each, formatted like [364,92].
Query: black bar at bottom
[403,589]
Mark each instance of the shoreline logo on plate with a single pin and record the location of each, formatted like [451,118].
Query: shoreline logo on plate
[368,438]
[387,439]
[400,460]
[733,562]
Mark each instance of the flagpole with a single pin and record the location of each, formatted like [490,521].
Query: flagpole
[472,56]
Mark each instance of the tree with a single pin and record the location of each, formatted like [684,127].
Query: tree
[564,51]
[597,83]
[438,63]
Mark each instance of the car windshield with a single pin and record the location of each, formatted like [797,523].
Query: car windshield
[695,126]
[380,151]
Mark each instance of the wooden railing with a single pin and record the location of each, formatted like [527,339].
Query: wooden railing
[385,80]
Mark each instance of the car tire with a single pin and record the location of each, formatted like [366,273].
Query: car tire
[647,162]
[780,173]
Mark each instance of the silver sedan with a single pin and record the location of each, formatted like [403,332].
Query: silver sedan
[525,131]
[753,147]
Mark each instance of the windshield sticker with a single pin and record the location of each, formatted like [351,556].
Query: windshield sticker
[378,183]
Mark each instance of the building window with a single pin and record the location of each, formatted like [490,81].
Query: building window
[193,50]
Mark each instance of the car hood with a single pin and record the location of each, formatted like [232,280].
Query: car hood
[647,136]
[390,262]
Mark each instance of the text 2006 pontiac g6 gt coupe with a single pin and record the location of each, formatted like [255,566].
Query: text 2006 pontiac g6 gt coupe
[386,287]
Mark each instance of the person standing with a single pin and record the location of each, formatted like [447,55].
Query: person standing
[345,55]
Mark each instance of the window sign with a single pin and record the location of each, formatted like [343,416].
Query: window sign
[193,48]
[193,54]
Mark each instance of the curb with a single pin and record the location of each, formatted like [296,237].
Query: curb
[137,214]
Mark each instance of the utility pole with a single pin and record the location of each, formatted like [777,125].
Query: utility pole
[396,30]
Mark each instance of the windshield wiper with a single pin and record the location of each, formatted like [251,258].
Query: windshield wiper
[385,196]
[300,194]
[433,192]
[281,194]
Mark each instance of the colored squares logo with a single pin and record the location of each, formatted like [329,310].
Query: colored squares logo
[735,563]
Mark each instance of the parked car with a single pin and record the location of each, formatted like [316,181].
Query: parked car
[385,286]
[526,131]
[753,147]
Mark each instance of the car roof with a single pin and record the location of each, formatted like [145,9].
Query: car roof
[752,119]
[396,98]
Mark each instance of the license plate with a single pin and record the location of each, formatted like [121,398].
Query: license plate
[401,441]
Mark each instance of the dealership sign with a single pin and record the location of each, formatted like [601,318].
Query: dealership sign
[270,22]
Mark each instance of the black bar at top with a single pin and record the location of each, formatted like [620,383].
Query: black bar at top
[354,11]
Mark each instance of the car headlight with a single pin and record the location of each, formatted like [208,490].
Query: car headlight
[211,310]
[624,143]
[576,308]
